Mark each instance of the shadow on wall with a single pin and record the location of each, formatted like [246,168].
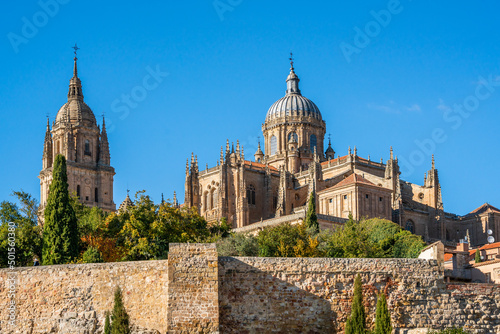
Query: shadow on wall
[254,301]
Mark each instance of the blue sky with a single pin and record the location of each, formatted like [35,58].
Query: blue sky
[422,76]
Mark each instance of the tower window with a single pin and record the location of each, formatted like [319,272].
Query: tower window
[87,147]
[367,196]
[251,195]
[96,195]
[274,145]
[294,136]
[78,191]
[313,142]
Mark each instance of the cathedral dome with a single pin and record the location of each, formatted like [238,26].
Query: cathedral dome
[75,111]
[293,103]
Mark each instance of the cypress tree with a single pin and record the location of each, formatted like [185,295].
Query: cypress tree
[60,233]
[478,256]
[383,317]
[107,325]
[120,322]
[356,323]
[311,217]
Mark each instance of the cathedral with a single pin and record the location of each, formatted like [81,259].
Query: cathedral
[275,186]
[76,135]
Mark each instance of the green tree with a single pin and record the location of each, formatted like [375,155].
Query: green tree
[27,232]
[107,324]
[311,217]
[383,317]
[60,234]
[92,255]
[238,244]
[356,323]
[119,317]
[477,258]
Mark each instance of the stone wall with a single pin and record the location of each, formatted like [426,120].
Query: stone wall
[197,292]
[74,298]
[193,289]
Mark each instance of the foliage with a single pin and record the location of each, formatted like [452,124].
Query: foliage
[221,229]
[107,324]
[477,258]
[383,317]
[238,244]
[92,255]
[453,330]
[119,317]
[371,238]
[288,240]
[311,217]
[27,234]
[356,323]
[60,233]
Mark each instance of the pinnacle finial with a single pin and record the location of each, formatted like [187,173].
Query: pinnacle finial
[291,61]
[349,151]
[75,71]
[433,163]
[355,151]
[392,154]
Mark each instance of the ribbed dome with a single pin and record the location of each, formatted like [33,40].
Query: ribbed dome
[293,103]
[75,111]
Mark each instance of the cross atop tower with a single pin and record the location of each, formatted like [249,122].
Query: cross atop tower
[291,61]
[76,48]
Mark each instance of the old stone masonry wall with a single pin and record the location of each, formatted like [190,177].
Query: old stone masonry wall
[197,292]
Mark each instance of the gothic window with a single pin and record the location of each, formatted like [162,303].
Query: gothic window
[87,147]
[205,201]
[96,195]
[313,142]
[211,204]
[78,191]
[251,195]
[274,145]
[410,226]
[294,136]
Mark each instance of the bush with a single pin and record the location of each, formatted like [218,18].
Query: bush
[238,244]
[92,255]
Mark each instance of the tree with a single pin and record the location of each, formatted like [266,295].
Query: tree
[238,244]
[383,317]
[107,325]
[478,256]
[119,317]
[92,255]
[60,233]
[311,217]
[356,323]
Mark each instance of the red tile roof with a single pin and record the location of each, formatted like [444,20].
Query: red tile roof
[447,257]
[258,166]
[325,163]
[485,247]
[484,208]
[351,179]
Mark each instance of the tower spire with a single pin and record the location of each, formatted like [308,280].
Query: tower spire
[292,82]
[75,85]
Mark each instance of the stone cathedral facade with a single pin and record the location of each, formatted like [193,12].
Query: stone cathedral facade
[294,164]
[76,135]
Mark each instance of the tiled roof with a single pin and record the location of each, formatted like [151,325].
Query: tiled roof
[258,166]
[351,179]
[447,257]
[485,247]
[486,263]
[342,159]
[484,208]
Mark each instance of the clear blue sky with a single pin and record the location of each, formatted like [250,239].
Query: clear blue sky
[227,65]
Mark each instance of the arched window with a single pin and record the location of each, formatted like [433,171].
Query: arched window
[87,147]
[410,226]
[274,145]
[205,201]
[78,191]
[313,142]
[96,195]
[294,136]
[211,204]
[251,194]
